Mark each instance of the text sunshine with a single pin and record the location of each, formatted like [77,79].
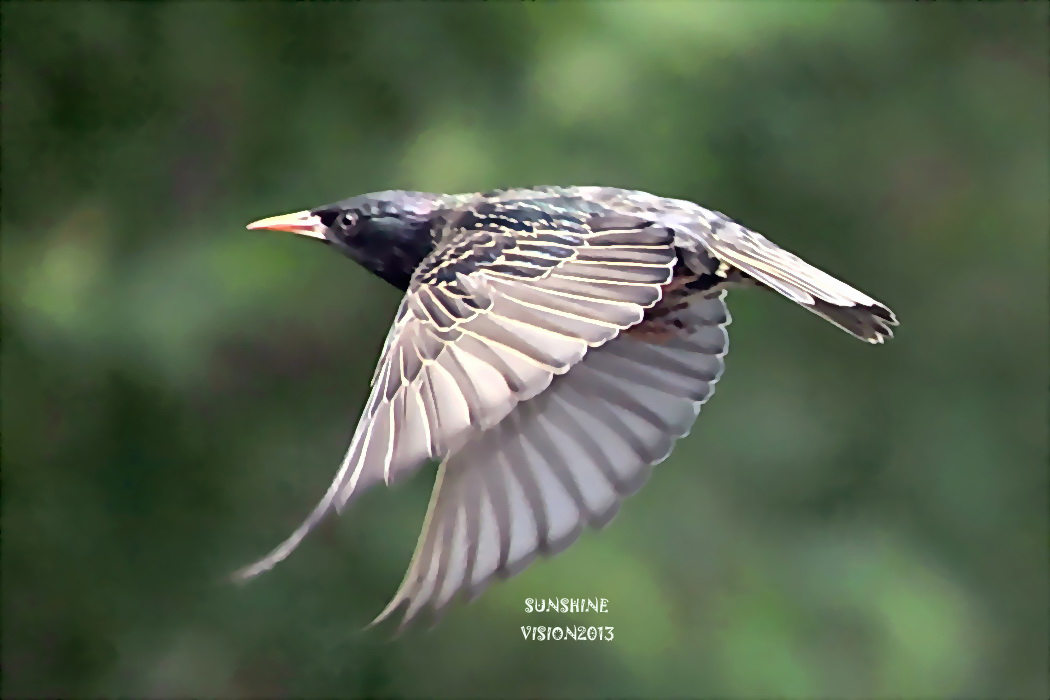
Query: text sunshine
[567,605]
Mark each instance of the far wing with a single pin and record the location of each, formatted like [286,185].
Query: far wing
[564,460]
[513,296]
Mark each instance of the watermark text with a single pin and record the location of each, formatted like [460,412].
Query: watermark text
[572,633]
[567,605]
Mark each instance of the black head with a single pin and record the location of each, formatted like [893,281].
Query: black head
[389,233]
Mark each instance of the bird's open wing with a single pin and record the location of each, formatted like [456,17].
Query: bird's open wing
[513,295]
[565,459]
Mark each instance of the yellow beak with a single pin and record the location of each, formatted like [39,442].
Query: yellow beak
[301,222]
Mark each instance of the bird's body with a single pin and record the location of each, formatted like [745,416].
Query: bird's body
[552,345]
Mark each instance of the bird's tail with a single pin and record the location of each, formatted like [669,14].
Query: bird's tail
[869,322]
[771,266]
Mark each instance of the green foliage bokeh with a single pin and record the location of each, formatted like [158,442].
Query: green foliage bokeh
[844,521]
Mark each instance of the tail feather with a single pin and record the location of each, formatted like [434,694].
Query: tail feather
[754,256]
[872,323]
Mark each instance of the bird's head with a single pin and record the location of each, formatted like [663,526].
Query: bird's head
[389,233]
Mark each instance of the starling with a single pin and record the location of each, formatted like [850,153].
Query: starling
[552,345]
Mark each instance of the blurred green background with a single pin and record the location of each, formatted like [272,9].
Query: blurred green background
[845,520]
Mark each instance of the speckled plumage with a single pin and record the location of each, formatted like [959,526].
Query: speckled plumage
[552,345]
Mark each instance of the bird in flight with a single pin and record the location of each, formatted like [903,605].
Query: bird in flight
[552,345]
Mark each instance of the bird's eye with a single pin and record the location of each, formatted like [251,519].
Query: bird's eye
[348,219]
